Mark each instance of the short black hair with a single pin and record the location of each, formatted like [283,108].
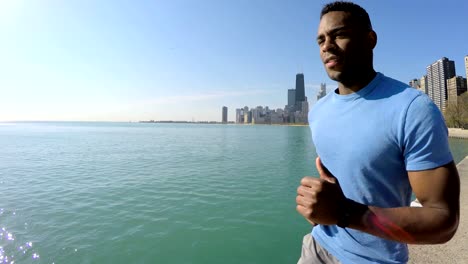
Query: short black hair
[357,13]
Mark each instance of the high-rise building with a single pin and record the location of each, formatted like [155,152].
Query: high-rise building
[423,84]
[415,83]
[224,119]
[291,97]
[466,67]
[437,75]
[300,90]
[294,112]
[247,115]
[322,92]
[455,87]
[239,116]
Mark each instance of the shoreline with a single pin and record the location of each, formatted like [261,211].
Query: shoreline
[221,123]
[452,132]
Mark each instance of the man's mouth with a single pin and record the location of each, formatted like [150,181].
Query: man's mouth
[331,61]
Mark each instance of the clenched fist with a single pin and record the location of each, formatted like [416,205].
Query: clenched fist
[320,200]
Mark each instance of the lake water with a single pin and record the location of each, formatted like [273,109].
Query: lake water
[153,193]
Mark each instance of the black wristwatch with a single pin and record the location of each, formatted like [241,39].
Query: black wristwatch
[347,210]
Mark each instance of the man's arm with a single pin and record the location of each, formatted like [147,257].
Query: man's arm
[438,190]
[435,222]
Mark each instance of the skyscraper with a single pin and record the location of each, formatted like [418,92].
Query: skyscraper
[291,97]
[247,113]
[322,92]
[224,119]
[239,116]
[466,66]
[423,84]
[437,75]
[300,90]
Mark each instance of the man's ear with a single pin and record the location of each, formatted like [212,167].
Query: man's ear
[372,36]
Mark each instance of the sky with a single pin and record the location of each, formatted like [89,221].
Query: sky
[88,60]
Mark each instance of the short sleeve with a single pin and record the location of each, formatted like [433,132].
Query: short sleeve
[425,143]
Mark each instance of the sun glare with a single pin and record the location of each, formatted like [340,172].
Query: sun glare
[9,8]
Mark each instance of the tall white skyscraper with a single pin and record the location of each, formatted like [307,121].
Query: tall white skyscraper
[466,67]
[437,75]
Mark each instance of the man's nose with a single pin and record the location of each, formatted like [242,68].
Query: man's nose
[327,45]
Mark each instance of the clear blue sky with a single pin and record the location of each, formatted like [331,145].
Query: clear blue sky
[184,59]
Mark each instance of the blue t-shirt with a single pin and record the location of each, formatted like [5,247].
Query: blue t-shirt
[369,140]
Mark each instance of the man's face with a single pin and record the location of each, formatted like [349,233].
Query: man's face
[344,47]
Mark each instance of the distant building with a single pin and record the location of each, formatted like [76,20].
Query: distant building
[247,115]
[300,90]
[322,92]
[276,117]
[423,84]
[225,115]
[466,66]
[239,116]
[296,111]
[437,75]
[415,83]
[304,114]
[291,97]
[258,115]
[455,86]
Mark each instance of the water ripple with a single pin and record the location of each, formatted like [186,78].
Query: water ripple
[142,193]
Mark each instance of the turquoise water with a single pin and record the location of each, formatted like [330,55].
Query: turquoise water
[153,193]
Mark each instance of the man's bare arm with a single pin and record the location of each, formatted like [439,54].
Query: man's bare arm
[438,190]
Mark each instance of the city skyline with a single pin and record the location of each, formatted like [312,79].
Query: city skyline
[294,112]
[441,83]
[181,60]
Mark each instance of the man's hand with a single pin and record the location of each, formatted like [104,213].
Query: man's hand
[319,199]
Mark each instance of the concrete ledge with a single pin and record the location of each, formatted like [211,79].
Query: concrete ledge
[458,133]
[456,250]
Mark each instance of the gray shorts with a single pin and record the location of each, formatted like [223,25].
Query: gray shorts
[313,253]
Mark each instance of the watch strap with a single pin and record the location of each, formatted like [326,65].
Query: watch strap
[348,210]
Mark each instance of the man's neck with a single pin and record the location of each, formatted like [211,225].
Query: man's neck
[353,86]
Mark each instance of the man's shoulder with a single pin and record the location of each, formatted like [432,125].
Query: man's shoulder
[397,91]
[322,101]
[398,85]
[405,100]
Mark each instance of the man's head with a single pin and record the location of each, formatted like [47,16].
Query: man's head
[358,14]
[346,41]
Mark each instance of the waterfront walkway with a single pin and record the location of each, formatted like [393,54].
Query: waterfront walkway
[456,250]
[458,133]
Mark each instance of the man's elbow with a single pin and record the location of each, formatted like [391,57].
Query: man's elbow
[450,226]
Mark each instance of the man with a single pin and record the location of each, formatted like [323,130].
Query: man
[378,141]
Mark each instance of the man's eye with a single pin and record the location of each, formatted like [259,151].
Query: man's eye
[341,35]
